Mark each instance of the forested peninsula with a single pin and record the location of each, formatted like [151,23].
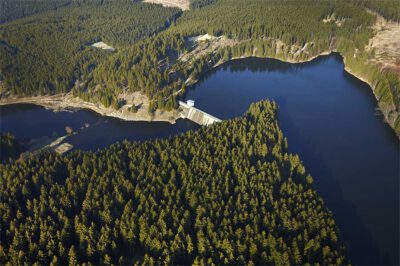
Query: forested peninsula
[156,60]
[229,193]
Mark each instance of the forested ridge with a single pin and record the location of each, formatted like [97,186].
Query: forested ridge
[148,52]
[229,193]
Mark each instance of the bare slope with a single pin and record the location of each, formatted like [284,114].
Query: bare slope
[386,44]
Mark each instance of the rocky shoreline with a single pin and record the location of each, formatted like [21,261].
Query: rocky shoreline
[60,102]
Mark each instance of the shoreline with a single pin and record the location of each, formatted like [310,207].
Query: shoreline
[193,82]
[324,53]
[60,102]
[372,86]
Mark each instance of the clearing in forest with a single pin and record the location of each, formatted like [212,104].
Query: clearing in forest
[103,46]
[182,4]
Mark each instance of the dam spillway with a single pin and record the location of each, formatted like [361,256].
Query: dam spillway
[196,115]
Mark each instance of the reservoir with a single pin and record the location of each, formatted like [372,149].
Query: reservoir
[30,122]
[328,116]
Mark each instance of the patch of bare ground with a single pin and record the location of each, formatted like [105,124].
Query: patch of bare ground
[385,45]
[182,4]
[205,44]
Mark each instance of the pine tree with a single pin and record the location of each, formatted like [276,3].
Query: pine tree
[72,258]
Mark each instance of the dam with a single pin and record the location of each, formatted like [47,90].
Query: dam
[196,115]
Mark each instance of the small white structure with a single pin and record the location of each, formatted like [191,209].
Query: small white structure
[190,103]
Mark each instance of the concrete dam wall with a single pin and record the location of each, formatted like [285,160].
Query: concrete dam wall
[197,115]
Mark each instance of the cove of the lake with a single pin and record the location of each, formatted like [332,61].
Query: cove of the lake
[328,116]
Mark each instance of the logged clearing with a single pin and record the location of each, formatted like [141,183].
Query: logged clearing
[182,4]
[385,45]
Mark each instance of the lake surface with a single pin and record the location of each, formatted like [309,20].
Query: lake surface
[328,116]
[30,122]
[330,120]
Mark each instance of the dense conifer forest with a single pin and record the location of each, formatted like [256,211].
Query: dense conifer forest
[225,194]
[49,52]
[201,3]
[15,9]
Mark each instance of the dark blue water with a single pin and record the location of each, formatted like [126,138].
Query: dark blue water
[328,116]
[28,122]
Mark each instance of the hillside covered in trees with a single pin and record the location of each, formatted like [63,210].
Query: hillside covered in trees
[48,53]
[150,41]
[225,194]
